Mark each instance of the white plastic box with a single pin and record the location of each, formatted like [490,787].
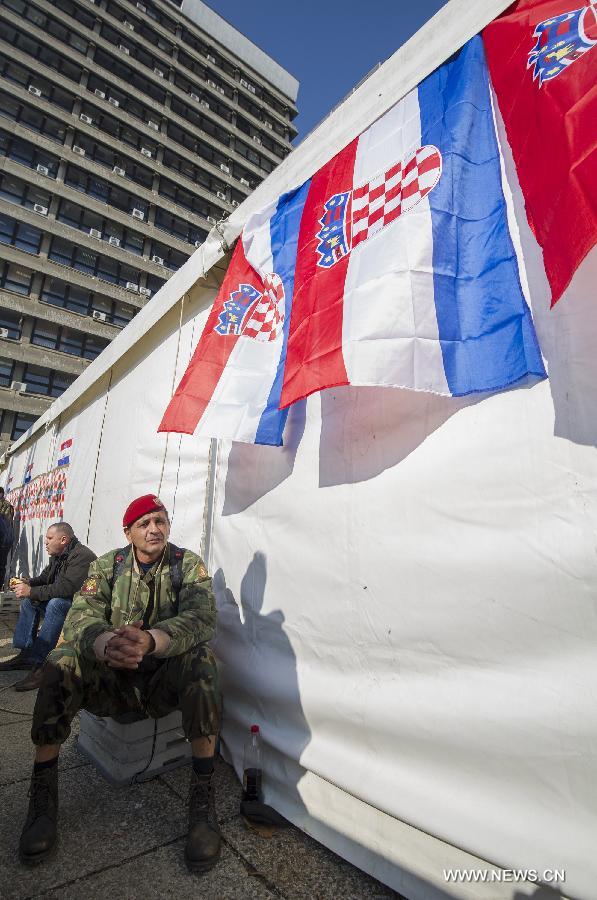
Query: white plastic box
[125,752]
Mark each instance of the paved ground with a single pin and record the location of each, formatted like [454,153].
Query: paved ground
[127,843]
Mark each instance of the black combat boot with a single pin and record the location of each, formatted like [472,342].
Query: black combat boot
[39,832]
[203,842]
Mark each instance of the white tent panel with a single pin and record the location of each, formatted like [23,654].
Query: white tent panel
[133,458]
[83,429]
[406,618]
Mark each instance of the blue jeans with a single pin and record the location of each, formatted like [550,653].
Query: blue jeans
[35,641]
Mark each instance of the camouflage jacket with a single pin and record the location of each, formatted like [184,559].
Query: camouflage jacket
[100,606]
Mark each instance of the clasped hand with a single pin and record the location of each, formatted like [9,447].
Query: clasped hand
[128,647]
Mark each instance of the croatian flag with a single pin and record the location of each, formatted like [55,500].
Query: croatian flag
[397,269]
[542,57]
[233,383]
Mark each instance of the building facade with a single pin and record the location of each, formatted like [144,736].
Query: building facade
[127,130]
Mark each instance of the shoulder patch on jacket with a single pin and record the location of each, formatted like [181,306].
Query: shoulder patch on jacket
[89,586]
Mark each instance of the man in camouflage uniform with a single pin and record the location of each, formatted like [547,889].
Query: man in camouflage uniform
[135,640]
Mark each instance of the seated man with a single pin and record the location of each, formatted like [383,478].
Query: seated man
[49,595]
[135,640]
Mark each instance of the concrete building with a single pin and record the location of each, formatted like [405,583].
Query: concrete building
[127,130]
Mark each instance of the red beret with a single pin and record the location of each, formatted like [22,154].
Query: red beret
[140,507]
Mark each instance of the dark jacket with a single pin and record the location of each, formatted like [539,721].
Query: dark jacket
[64,574]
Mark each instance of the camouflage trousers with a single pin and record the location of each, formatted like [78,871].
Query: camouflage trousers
[70,682]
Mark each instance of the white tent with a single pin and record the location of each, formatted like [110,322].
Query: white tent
[406,588]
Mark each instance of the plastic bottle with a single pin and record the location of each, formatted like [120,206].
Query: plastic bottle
[252,761]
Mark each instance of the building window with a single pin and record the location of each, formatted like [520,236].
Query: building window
[154,283]
[115,96]
[12,323]
[107,157]
[190,201]
[134,50]
[172,259]
[158,16]
[123,132]
[256,158]
[30,196]
[123,313]
[84,302]
[66,340]
[26,154]
[186,231]
[19,234]
[129,76]
[32,118]
[78,217]
[12,71]
[50,25]
[68,296]
[24,77]
[46,381]
[101,190]
[7,368]
[14,278]
[75,11]
[196,118]
[37,50]
[91,263]
[21,424]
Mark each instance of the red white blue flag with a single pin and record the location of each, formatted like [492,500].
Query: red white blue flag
[394,266]
[542,57]
[233,383]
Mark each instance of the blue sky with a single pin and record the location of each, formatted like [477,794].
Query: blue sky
[329,46]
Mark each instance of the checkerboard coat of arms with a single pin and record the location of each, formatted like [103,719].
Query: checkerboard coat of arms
[355,216]
[253,313]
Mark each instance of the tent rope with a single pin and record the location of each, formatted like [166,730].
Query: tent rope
[99,447]
[172,388]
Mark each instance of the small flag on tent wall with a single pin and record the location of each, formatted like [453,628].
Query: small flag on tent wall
[65,451]
[28,474]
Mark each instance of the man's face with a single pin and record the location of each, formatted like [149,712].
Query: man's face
[55,542]
[149,535]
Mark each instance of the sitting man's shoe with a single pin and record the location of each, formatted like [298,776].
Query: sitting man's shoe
[30,682]
[39,832]
[20,661]
[203,842]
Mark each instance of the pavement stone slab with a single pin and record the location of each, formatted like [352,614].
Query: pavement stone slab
[108,826]
[162,873]
[12,701]
[16,753]
[300,867]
